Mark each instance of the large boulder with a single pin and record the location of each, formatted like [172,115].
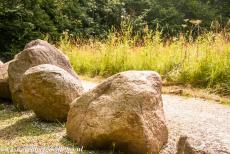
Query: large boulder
[4,85]
[1,63]
[125,113]
[48,90]
[35,53]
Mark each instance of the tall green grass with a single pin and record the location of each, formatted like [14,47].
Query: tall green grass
[204,62]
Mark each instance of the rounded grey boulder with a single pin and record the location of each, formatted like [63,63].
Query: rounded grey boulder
[48,90]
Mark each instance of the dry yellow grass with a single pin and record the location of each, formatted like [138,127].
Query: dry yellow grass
[204,62]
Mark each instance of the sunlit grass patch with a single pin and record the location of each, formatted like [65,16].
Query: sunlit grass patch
[204,62]
[25,130]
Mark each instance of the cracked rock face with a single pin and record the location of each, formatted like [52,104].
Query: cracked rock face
[48,90]
[125,113]
[35,53]
[4,85]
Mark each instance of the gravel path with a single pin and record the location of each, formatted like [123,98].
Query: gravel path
[206,121]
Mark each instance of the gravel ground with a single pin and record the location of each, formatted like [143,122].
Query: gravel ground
[206,121]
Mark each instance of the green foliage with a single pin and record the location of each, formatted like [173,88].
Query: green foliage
[21,21]
[24,20]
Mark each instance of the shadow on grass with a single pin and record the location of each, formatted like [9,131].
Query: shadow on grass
[28,126]
[5,101]
[8,112]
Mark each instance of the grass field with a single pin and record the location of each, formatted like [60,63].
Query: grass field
[25,130]
[204,62]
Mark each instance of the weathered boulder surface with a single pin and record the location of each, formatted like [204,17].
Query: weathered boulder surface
[35,53]
[4,85]
[48,90]
[1,63]
[124,112]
